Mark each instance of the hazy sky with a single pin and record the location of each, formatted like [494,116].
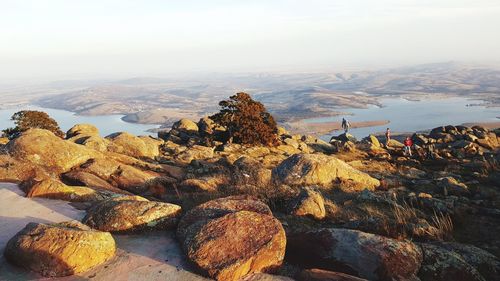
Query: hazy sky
[71,38]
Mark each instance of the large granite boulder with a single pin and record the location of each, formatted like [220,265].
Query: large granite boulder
[82,178]
[128,214]
[205,126]
[14,170]
[451,186]
[319,169]
[247,238]
[44,149]
[195,152]
[131,145]
[120,175]
[440,264]
[366,255]
[487,264]
[395,144]
[93,142]
[309,203]
[345,137]
[183,131]
[186,125]
[247,170]
[82,130]
[4,141]
[374,140]
[59,249]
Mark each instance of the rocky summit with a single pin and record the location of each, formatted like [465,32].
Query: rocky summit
[297,208]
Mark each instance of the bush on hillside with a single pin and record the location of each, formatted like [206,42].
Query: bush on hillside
[27,119]
[247,121]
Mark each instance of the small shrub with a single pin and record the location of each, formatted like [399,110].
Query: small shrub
[28,119]
[247,121]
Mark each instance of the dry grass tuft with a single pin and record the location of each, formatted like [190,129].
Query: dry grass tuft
[443,226]
[404,214]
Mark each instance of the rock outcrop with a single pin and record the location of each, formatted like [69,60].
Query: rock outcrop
[458,141]
[448,186]
[131,145]
[486,264]
[343,138]
[247,237]
[59,249]
[250,171]
[82,130]
[185,125]
[117,174]
[195,152]
[451,186]
[90,180]
[43,149]
[309,203]
[128,214]
[323,170]
[54,189]
[4,141]
[183,131]
[440,264]
[357,253]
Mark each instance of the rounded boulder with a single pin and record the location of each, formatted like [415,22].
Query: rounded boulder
[231,237]
[59,249]
[130,213]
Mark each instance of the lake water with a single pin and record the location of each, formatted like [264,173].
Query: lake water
[107,124]
[404,116]
[411,116]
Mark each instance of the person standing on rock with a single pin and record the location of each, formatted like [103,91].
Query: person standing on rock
[387,137]
[345,125]
[408,143]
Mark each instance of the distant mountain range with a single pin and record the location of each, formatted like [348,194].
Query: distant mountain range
[288,96]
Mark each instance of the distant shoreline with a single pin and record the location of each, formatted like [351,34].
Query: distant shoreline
[322,128]
[488,125]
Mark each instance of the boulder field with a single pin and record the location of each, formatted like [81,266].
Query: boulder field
[304,209]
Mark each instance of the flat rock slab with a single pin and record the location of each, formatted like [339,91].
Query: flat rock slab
[127,215]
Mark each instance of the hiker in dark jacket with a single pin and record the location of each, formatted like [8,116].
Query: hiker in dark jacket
[345,125]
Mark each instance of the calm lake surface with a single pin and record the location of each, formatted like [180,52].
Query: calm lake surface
[411,116]
[107,124]
[404,116]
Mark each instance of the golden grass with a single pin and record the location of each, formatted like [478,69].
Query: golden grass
[443,224]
